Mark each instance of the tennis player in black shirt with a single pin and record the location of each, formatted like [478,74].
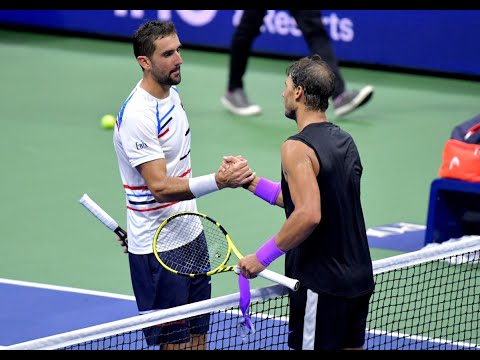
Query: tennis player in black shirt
[324,236]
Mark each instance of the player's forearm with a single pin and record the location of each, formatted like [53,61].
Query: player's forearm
[179,189]
[171,189]
[279,201]
[267,190]
[297,228]
[294,231]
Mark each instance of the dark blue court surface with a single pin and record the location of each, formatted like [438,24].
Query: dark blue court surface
[32,311]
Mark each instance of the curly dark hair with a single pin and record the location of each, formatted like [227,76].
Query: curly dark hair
[316,78]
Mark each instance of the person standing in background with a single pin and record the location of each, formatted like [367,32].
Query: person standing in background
[310,23]
[324,236]
[152,140]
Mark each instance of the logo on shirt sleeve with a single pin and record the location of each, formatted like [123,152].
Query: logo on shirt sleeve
[141,145]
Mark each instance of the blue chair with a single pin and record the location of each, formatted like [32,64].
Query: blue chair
[453,210]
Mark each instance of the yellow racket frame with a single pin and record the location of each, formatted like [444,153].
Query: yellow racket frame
[292,284]
[221,267]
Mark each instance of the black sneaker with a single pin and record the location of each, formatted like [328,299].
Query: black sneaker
[350,100]
[237,102]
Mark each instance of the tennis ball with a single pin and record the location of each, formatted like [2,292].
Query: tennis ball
[108,121]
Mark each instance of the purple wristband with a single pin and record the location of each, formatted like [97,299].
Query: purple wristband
[268,252]
[267,190]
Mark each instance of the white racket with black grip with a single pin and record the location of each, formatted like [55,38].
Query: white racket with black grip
[106,219]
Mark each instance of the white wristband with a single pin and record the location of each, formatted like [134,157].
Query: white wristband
[203,185]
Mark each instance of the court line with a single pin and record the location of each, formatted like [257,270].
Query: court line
[415,339]
[68,289]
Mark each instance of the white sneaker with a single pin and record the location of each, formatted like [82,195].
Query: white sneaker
[236,101]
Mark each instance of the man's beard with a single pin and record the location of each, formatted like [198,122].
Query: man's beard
[291,114]
[168,80]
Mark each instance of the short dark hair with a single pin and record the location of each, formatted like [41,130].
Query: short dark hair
[147,33]
[316,78]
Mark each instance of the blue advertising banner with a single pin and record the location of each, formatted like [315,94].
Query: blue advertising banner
[430,40]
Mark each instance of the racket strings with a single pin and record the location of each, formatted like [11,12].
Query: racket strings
[192,245]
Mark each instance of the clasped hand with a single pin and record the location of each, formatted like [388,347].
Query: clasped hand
[234,172]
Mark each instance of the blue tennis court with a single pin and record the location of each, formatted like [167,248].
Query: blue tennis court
[37,310]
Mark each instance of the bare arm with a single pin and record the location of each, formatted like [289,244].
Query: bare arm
[164,188]
[300,167]
[168,188]
[252,185]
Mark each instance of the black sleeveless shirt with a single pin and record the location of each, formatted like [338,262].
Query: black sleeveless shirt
[335,258]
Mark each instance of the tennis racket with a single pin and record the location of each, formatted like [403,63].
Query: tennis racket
[193,244]
[106,219]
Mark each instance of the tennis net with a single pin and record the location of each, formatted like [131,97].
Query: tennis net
[427,299]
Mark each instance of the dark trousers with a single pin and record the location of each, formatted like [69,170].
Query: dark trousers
[308,21]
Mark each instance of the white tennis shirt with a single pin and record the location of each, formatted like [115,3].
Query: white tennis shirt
[148,128]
